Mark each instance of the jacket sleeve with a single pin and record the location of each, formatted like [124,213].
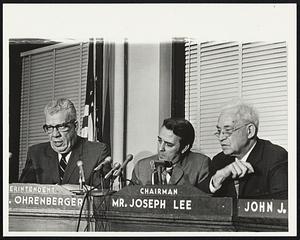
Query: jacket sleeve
[28,174]
[205,176]
[204,170]
[278,176]
[134,177]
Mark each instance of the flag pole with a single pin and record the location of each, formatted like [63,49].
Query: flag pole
[95,91]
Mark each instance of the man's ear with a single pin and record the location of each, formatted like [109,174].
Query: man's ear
[251,130]
[76,126]
[185,149]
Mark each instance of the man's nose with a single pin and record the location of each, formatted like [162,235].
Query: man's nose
[222,136]
[55,132]
[162,147]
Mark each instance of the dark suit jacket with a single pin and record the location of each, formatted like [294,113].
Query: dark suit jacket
[42,163]
[270,177]
[192,169]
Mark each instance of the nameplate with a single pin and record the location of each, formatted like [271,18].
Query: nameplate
[168,199]
[33,188]
[37,196]
[263,208]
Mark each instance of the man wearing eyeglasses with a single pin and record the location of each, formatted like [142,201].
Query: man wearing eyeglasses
[247,167]
[55,162]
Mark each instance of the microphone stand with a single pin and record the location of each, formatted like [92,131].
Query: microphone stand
[159,171]
[80,183]
[88,196]
[88,210]
[122,180]
[101,184]
[111,181]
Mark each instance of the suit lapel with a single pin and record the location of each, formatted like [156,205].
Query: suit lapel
[177,174]
[253,159]
[178,171]
[76,155]
[256,154]
[231,187]
[52,159]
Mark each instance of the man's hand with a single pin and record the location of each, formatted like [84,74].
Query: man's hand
[237,169]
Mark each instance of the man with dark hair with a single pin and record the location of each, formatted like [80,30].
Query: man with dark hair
[175,140]
[55,162]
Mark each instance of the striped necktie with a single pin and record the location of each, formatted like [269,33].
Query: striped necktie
[62,166]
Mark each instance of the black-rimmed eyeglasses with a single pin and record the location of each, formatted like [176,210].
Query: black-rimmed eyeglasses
[63,127]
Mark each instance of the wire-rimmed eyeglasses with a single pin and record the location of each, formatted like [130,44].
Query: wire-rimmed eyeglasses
[227,132]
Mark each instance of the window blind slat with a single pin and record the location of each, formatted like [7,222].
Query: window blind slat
[215,45]
[262,47]
[257,59]
[219,61]
[266,53]
[217,51]
[218,56]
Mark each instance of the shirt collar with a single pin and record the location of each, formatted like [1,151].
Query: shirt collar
[244,159]
[67,157]
[169,168]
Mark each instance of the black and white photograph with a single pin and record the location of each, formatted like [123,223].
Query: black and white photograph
[149,120]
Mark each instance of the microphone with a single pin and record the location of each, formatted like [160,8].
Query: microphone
[154,173]
[116,166]
[152,165]
[107,160]
[165,164]
[160,165]
[81,172]
[128,159]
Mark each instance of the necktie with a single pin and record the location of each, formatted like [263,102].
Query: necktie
[169,170]
[236,185]
[62,167]
[167,175]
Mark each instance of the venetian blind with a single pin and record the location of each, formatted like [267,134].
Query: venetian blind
[216,72]
[47,73]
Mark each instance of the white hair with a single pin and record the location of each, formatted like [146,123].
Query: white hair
[61,104]
[244,111]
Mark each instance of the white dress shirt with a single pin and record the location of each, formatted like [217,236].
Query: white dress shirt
[67,157]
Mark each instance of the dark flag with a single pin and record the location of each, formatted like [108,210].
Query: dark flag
[88,122]
[97,99]
[94,94]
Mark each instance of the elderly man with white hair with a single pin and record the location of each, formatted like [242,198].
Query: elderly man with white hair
[247,167]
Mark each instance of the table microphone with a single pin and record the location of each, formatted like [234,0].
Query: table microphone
[116,167]
[119,171]
[160,165]
[107,160]
[81,174]
[165,164]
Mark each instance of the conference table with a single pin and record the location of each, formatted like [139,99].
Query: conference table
[164,208]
